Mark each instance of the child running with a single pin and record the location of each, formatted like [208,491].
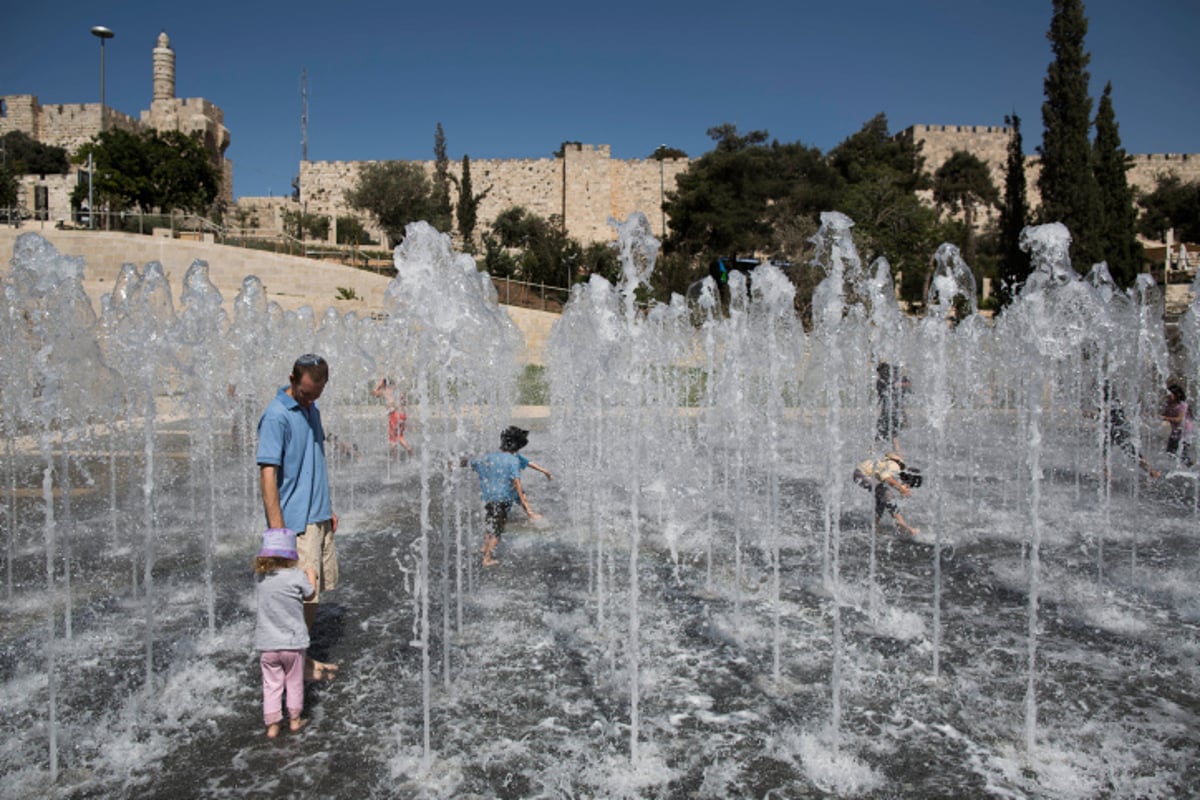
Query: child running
[881,476]
[500,485]
[281,634]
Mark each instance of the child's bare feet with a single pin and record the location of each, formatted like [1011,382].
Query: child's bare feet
[272,730]
[490,562]
[295,725]
[319,670]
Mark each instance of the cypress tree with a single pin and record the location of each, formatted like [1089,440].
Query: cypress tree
[440,212]
[468,207]
[1014,216]
[1067,183]
[1118,235]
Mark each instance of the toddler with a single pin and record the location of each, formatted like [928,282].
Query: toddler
[281,634]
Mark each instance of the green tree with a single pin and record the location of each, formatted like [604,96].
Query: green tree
[468,206]
[8,188]
[1014,216]
[301,225]
[663,152]
[719,206]
[881,174]
[439,202]
[148,171]
[350,230]
[1118,237]
[395,193]
[24,155]
[1067,183]
[182,174]
[961,184]
[1172,205]
[121,172]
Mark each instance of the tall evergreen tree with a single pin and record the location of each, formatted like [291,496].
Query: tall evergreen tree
[1118,236]
[468,206]
[1067,183]
[440,211]
[1014,216]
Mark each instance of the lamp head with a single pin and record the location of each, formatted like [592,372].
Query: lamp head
[102,32]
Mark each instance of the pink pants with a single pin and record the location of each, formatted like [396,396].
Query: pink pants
[282,670]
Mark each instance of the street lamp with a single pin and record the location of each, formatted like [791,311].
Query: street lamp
[101,33]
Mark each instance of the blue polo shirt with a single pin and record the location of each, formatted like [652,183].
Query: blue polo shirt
[496,474]
[291,438]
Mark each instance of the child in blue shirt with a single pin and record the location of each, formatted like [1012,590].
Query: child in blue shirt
[500,485]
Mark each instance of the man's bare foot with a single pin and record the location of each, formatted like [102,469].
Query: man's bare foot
[272,730]
[319,670]
[913,532]
[296,725]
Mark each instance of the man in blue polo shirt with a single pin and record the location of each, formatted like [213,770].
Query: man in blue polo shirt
[293,475]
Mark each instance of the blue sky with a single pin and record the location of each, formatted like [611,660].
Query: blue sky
[515,79]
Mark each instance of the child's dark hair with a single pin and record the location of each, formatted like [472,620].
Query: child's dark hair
[513,439]
[266,564]
[1177,390]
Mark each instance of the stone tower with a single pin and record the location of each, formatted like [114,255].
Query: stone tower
[164,69]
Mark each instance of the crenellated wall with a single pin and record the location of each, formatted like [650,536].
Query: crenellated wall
[585,188]
[990,144]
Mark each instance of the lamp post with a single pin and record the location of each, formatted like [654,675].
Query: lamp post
[101,33]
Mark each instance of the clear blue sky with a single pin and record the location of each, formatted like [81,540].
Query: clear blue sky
[516,79]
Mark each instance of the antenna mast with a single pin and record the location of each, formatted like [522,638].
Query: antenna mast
[304,114]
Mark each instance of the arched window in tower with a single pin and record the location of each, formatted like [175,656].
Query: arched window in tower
[3,109]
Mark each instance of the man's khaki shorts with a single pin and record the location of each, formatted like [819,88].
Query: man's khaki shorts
[317,551]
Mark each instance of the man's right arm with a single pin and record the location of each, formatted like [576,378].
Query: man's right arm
[270,494]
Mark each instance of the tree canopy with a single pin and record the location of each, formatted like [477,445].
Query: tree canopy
[961,184]
[395,193]
[1172,204]
[148,170]
[1117,237]
[752,194]
[23,155]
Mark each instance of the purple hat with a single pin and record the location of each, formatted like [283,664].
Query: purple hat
[279,543]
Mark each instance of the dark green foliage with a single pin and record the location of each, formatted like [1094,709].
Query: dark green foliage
[305,226]
[23,155]
[525,246]
[468,206]
[961,184]
[1068,185]
[8,188]
[182,173]
[1118,236]
[663,152]
[395,193]
[750,196]
[440,215]
[350,230]
[1172,204]
[148,170]
[1014,216]
[881,174]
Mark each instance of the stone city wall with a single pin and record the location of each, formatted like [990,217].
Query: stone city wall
[990,144]
[66,125]
[584,188]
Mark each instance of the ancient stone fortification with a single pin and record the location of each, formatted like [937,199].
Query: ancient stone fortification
[71,125]
[989,143]
[584,187]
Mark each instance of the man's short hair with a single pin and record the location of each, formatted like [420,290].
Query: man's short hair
[312,365]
